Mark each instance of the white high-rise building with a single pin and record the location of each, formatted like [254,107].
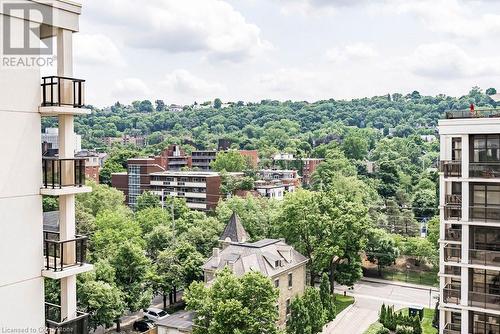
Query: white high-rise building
[51,136]
[470,222]
[28,255]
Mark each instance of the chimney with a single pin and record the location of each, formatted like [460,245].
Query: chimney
[216,253]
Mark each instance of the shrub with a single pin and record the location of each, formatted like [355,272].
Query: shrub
[404,330]
[383,330]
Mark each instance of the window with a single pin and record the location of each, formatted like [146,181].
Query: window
[277,283]
[288,311]
[456,149]
[290,280]
[486,148]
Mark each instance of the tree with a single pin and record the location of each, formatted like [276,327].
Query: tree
[217,103]
[433,231]
[424,203]
[229,161]
[389,179]
[299,322]
[327,298]
[100,199]
[381,249]
[355,146]
[50,203]
[132,270]
[109,168]
[307,313]
[147,200]
[419,248]
[245,305]
[160,105]
[103,301]
[491,91]
[335,163]
[330,229]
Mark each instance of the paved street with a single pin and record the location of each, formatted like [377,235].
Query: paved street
[369,297]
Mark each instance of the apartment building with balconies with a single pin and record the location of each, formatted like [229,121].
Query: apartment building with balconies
[470,222]
[28,255]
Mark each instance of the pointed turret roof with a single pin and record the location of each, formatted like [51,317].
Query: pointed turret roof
[234,231]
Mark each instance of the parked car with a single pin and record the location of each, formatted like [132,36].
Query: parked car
[143,325]
[154,313]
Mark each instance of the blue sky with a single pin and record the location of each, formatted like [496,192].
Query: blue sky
[183,51]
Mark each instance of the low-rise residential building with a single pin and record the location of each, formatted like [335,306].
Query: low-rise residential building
[309,166]
[92,164]
[201,160]
[51,137]
[272,189]
[281,263]
[201,190]
[175,108]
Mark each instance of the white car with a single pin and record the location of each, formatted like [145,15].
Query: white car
[155,314]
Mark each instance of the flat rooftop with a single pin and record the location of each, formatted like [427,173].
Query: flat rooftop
[467,113]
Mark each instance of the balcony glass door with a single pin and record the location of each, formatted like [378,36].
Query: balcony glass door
[485,201]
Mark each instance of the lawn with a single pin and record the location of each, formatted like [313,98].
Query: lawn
[426,323]
[341,302]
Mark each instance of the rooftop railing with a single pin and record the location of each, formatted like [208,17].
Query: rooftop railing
[62,91]
[56,324]
[63,254]
[451,168]
[54,170]
[480,113]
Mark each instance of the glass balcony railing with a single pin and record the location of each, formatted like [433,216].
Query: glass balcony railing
[452,212]
[63,91]
[484,257]
[451,294]
[59,173]
[484,213]
[63,254]
[452,253]
[453,234]
[452,270]
[56,324]
[451,168]
[487,170]
[452,329]
[484,300]
[467,113]
[453,199]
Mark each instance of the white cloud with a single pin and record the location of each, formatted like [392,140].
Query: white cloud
[189,87]
[130,89]
[97,49]
[447,61]
[351,52]
[453,17]
[210,26]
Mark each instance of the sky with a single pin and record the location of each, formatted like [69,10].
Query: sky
[182,51]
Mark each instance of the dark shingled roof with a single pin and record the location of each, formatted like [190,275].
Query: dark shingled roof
[234,230]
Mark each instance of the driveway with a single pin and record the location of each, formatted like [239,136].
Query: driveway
[370,295]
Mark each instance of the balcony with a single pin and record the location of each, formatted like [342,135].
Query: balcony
[63,176]
[451,294]
[452,212]
[64,257]
[484,257]
[484,300]
[451,168]
[452,270]
[452,253]
[484,214]
[467,113]
[62,95]
[452,329]
[487,170]
[57,325]
[453,234]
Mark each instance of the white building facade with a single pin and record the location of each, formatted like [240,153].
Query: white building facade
[470,223]
[28,256]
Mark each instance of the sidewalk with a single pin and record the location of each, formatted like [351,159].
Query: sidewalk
[399,283]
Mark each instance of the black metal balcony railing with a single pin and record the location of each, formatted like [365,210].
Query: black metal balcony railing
[54,172]
[453,234]
[57,325]
[484,257]
[484,300]
[484,213]
[62,91]
[452,212]
[63,254]
[451,294]
[487,170]
[452,329]
[480,113]
[452,253]
[451,168]
[453,199]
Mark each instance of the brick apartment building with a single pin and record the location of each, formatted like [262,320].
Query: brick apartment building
[92,164]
